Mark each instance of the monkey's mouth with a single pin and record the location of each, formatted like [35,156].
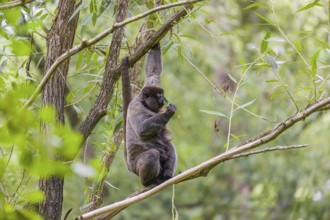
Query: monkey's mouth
[162,100]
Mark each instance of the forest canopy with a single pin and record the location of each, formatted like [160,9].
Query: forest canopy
[250,80]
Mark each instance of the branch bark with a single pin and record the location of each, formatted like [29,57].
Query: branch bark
[13,4]
[204,168]
[59,39]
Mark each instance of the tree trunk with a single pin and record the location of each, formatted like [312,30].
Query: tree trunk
[60,38]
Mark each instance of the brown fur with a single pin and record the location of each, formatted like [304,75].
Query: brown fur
[149,152]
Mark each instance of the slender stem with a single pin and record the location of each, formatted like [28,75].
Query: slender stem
[234,97]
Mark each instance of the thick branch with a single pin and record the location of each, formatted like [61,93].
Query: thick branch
[203,168]
[86,43]
[13,4]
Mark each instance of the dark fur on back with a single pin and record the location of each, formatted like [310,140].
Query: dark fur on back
[149,152]
[146,134]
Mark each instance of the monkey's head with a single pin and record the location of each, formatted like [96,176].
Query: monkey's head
[153,98]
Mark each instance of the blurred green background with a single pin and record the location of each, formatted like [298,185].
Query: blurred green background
[272,49]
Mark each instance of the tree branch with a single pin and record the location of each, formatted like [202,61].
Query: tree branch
[204,168]
[86,43]
[268,150]
[13,4]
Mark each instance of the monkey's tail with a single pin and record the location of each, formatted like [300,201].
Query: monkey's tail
[127,94]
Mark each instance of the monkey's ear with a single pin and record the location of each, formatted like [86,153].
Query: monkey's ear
[154,66]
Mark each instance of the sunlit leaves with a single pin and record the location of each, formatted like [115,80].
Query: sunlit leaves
[8,211]
[93,10]
[310,5]
[12,16]
[245,105]
[313,61]
[214,113]
[264,42]
[256,4]
[21,47]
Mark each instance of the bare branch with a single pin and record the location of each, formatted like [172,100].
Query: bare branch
[13,4]
[86,43]
[204,168]
[268,150]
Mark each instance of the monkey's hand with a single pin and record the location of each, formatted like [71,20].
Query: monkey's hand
[125,62]
[171,109]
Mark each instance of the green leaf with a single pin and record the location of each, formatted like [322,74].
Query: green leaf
[214,113]
[234,136]
[190,37]
[310,5]
[264,42]
[322,43]
[264,18]
[167,46]
[244,105]
[85,21]
[297,44]
[93,10]
[272,81]
[258,4]
[34,197]
[313,61]
[21,47]
[47,114]
[12,16]
[3,65]
[276,94]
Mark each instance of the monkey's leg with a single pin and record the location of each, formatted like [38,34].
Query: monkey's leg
[169,165]
[148,166]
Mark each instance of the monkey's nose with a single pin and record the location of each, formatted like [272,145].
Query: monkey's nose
[162,99]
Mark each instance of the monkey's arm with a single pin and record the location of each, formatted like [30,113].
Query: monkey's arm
[152,125]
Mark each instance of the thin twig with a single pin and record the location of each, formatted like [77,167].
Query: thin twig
[13,4]
[269,149]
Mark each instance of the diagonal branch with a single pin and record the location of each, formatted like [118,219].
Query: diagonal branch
[86,43]
[13,4]
[204,168]
[268,150]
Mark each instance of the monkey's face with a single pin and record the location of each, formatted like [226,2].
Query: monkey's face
[153,98]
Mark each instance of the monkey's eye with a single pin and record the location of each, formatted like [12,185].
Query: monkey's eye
[146,95]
